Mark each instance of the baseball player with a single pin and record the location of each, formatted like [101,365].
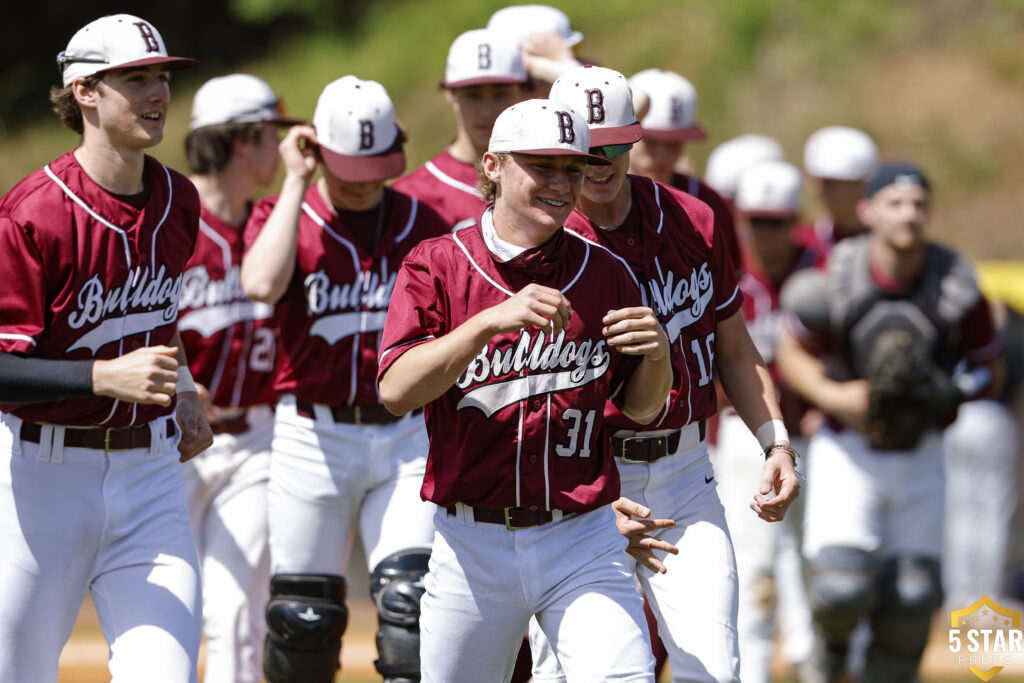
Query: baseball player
[729,160]
[327,255]
[890,303]
[670,123]
[97,401]
[231,345]
[667,239]
[513,334]
[769,564]
[839,162]
[484,76]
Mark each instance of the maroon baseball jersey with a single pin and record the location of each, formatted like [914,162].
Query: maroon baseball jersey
[231,342]
[724,222]
[90,275]
[766,320]
[687,277]
[524,424]
[331,316]
[449,187]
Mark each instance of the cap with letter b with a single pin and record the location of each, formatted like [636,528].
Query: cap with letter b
[672,116]
[604,97]
[483,56]
[237,98]
[543,128]
[359,139]
[117,41]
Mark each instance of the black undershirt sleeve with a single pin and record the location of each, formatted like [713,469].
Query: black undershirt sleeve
[38,380]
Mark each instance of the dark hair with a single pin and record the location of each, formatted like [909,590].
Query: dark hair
[484,185]
[208,149]
[896,173]
[65,105]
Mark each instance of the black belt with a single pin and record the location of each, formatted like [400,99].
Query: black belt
[650,448]
[512,518]
[231,425]
[360,415]
[110,439]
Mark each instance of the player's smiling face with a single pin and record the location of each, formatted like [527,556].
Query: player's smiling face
[477,106]
[897,215]
[604,183]
[537,191]
[131,105]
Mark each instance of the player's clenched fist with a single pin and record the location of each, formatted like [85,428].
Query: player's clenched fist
[636,331]
[534,304]
[146,375]
[196,435]
[298,151]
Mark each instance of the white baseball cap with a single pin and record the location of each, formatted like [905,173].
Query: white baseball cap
[238,98]
[483,56]
[522,21]
[672,116]
[117,41]
[727,162]
[840,153]
[604,96]
[770,189]
[355,124]
[544,128]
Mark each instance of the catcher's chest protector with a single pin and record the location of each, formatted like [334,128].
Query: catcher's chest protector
[930,312]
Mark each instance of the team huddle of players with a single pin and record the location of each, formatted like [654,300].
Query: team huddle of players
[551,378]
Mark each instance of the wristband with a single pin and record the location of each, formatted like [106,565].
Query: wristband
[185,381]
[784,447]
[771,432]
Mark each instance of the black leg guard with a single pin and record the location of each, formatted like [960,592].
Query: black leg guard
[910,591]
[396,587]
[306,616]
[842,590]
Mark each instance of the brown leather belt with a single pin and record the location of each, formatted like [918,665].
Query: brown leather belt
[360,415]
[110,439]
[231,425]
[651,448]
[512,518]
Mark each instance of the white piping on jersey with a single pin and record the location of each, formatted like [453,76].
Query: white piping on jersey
[356,337]
[519,454]
[452,182]
[408,225]
[225,255]
[735,292]
[19,337]
[403,344]
[464,223]
[478,268]
[657,201]
[547,454]
[615,256]
[127,251]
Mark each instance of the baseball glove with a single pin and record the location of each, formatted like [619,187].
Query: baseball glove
[909,395]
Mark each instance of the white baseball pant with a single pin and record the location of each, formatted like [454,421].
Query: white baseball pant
[982,447]
[226,490]
[111,522]
[768,561]
[695,601]
[883,502]
[486,581]
[327,479]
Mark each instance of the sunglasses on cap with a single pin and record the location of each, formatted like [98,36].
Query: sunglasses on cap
[611,151]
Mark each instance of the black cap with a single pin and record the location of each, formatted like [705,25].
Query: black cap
[896,173]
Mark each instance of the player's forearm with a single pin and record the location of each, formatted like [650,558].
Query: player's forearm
[39,380]
[270,262]
[425,372]
[647,390]
[743,374]
[802,371]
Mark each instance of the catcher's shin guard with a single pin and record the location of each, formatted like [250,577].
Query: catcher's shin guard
[306,617]
[397,587]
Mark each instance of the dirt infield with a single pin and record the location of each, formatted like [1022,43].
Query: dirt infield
[84,659]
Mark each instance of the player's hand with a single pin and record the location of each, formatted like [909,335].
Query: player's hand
[147,375]
[298,152]
[534,305]
[641,546]
[196,435]
[779,488]
[546,56]
[848,402]
[636,331]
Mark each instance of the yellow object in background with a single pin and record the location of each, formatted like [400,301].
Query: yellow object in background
[1003,280]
